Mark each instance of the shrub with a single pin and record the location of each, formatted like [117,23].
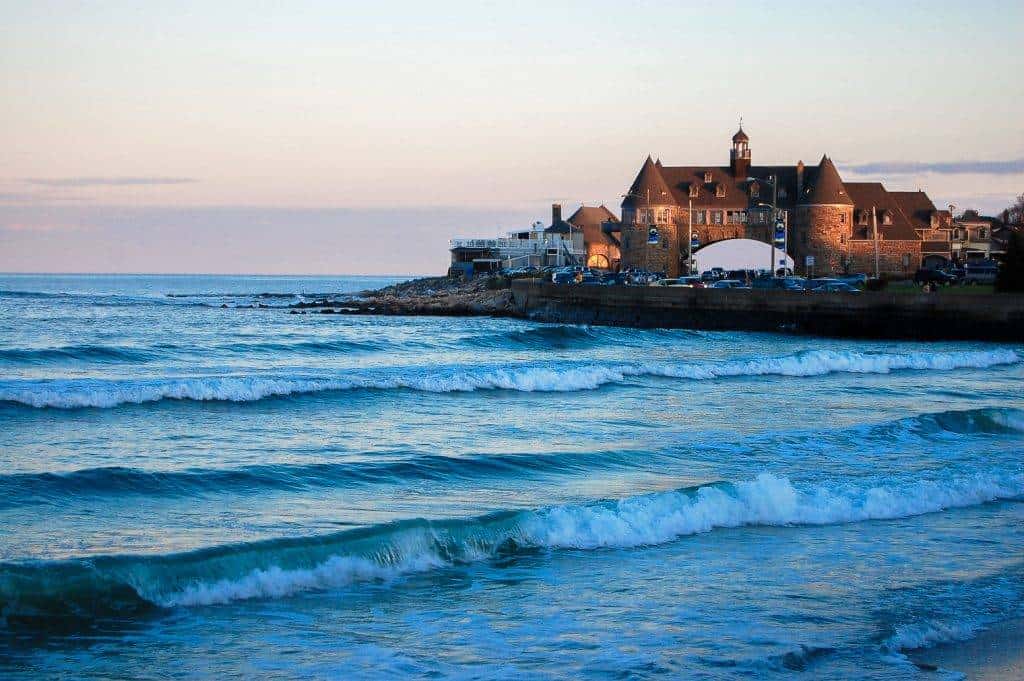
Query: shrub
[1011,273]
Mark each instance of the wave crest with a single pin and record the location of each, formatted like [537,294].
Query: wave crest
[278,568]
[70,393]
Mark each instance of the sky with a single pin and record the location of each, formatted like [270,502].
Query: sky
[358,138]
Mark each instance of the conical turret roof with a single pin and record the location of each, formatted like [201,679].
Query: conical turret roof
[649,188]
[828,188]
[740,136]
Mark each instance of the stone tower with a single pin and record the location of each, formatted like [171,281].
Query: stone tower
[739,157]
[650,235]
[824,221]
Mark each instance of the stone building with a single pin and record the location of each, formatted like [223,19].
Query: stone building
[600,229]
[833,224]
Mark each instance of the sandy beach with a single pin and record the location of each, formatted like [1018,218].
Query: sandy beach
[996,653]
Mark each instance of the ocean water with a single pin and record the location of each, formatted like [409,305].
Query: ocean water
[195,483]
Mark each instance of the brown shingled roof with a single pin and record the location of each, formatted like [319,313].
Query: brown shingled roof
[828,187]
[864,195]
[917,207]
[649,187]
[589,220]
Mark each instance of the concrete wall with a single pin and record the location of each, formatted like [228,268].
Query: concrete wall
[924,316]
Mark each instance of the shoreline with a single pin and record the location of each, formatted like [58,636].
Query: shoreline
[994,653]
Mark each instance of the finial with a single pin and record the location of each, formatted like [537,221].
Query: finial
[741,122]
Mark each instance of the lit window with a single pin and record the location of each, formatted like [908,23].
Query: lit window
[755,190]
[700,217]
[842,218]
[716,217]
[707,176]
[694,190]
[719,190]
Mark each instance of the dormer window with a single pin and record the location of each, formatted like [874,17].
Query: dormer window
[782,192]
[862,217]
[887,217]
[719,190]
[694,190]
[707,177]
[755,190]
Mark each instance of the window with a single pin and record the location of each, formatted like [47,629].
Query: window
[782,192]
[694,190]
[737,217]
[982,233]
[887,217]
[663,215]
[862,217]
[707,177]
[755,190]
[716,217]
[842,218]
[700,217]
[719,190]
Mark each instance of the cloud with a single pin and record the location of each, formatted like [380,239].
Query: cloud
[106,181]
[21,197]
[1011,167]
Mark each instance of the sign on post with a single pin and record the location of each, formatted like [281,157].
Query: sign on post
[809,261]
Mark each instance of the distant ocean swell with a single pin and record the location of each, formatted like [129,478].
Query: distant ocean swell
[278,568]
[20,489]
[566,377]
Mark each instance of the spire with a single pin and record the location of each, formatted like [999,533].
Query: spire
[827,187]
[649,188]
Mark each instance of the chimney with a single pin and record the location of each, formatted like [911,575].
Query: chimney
[556,213]
[799,180]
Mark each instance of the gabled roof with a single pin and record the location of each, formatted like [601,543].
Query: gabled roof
[589,219]
[649,188]
[827,188]
[917,207]
[864,195]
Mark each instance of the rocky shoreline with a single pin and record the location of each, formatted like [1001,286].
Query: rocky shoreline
[437,296]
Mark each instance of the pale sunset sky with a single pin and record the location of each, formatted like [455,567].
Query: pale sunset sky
[335,137]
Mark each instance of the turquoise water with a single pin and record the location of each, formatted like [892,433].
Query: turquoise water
[195,487]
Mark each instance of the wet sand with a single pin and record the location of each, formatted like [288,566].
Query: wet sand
[995,653]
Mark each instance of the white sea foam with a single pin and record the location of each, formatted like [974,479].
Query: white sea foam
[109,393]
[928,634]
[635,521]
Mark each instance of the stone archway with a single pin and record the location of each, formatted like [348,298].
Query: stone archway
[598,261]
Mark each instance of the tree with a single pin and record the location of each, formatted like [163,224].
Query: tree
[1015,213]
[1011,274]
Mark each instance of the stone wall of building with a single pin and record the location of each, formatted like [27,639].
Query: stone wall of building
[663,256]
[894,257]
[602,254]
[822,231]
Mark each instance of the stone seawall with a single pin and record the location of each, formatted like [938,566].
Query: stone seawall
[924,316]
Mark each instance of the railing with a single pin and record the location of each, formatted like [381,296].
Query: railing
[521,245]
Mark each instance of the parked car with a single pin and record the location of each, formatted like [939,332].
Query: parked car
[854,279]
[779,283]
[563,277]
[729,283]
[836,287]
[924,276]
[691,282]
[980,274]
[814,284]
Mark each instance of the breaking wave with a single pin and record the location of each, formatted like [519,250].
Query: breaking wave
[117,585]
[72,393]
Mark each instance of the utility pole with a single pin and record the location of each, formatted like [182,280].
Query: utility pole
[874,226]
[775,199]
[689,222]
